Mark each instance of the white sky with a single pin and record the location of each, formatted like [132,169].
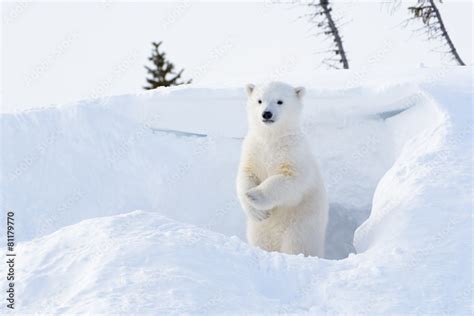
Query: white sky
[58,52]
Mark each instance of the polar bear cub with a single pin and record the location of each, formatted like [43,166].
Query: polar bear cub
[279,184]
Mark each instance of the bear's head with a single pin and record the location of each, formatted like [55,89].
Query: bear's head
[274,107]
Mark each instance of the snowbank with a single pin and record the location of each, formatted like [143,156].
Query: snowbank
[399,152]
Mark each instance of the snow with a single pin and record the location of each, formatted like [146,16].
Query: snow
[127,204]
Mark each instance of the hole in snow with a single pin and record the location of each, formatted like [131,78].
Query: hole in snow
[356,148]
[352,135]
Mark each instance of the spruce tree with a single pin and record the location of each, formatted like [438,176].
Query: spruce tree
[428,13]
[323,18]
[162,73]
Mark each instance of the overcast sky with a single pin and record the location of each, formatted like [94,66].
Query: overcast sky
[56,52]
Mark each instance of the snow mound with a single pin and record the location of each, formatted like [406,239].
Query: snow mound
[401,153]
[133,263]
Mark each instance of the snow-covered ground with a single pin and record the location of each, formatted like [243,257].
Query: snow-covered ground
[127,204]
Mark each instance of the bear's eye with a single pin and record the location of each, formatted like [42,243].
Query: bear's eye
[259,101]
[280,102]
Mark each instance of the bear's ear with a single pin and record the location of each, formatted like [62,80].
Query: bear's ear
[300,92]
[249,88]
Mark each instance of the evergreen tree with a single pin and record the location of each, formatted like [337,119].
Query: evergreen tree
[162,72]
[323,18]
[428,13]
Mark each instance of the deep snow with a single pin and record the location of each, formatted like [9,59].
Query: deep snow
[399,149]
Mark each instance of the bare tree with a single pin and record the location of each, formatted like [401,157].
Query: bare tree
[434,28]
[323,18]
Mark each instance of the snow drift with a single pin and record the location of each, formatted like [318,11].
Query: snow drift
[400,152]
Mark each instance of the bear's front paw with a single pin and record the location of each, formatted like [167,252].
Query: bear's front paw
[258,200]
[258,215]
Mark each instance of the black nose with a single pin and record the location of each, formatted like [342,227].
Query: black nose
[267,115]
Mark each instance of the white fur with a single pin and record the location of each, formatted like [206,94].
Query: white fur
[279,184]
